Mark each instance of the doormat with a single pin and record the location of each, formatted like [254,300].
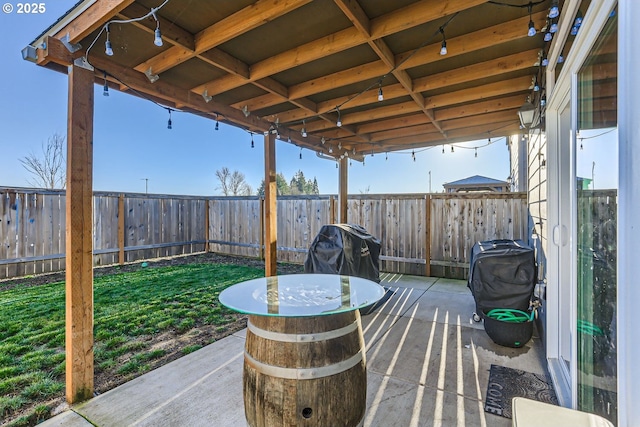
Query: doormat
[507,383]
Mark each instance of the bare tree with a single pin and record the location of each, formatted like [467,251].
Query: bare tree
[232,183]
[48,170]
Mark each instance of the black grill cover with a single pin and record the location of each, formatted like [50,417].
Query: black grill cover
[502,274]
[344,249]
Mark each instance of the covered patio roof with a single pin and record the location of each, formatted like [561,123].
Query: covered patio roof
[345,78]
[301,67]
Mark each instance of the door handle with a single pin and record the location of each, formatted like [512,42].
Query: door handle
[559,235]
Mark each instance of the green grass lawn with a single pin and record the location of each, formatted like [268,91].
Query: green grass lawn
[131,310]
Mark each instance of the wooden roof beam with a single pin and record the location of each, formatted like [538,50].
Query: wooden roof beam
[91,19]
[497,130]
[171,33]
[466,43]
[495,67]
[502,88]
[385,25]
[479,92]
[471,42]
[244,20]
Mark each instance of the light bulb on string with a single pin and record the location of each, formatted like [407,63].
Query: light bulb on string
[380,95]
[476,152]
[413,155]
[169,124]
[300,153]
[252,144]
[443,45]
[217,125]
[443,149]
[105,91]
[386,156]
[303,132]
[452,148]
[554,11]
[157,40]
[339,122]
[532,28]
[107,45]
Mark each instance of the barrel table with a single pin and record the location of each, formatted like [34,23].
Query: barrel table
[304,359]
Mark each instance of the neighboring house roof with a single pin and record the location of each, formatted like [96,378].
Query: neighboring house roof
[476,183]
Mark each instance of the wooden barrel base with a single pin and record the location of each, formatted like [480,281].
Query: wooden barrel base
[305,371]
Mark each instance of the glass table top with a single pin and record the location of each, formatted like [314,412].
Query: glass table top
[301,295]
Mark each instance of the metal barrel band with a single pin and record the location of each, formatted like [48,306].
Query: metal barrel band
[304,373]
[301,338]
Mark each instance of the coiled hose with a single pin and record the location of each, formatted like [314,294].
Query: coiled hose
[511,315]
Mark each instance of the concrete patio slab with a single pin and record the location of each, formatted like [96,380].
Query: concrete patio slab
[150,397]
[66,419]
[451,285]
[426,366]
[447,307]
[448,357]
[415,282]
[394,402]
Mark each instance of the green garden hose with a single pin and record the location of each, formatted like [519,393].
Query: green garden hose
[511,315]
[589,328]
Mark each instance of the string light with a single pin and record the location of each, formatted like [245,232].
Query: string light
[380,95]
[105,91]
[554,11]
[452,148]
[169,122]
[477,149]
[442,149]
[107,44]
[443,46]
[252,144]
[157,40]
[386,156]
[303,132]
[548,36]
[339,122]
[553,27]
[413,155]
[108,49]
[217,124]
[300,153]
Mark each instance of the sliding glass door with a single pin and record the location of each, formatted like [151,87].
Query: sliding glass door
[596,193]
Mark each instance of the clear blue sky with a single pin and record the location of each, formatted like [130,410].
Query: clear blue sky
[132,142]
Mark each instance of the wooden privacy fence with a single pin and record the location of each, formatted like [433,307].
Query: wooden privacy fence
[132,227]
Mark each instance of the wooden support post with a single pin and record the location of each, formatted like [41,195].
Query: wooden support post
[206,226]
[79,237]
[427,241]
[343,171]
[121,229]
[270,206]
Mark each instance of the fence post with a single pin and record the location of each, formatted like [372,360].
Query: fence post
[121,229]
[332,210]
[261,242]
[427,242]
[206,225]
